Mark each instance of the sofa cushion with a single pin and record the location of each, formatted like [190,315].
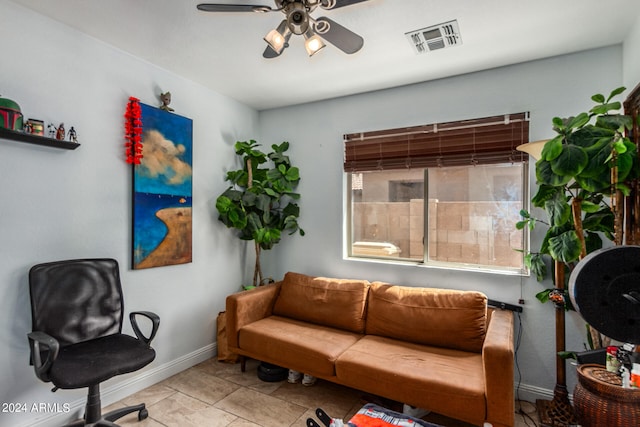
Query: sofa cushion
[305,347]
[332,302]
[448,381]
[438,317]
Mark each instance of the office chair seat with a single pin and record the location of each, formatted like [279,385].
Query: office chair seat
[91,362]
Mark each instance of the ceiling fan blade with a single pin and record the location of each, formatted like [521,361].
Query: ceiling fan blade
[343,3]
[216,7]
[269,53]
[342,38]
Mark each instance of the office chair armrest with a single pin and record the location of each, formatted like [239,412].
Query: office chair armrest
[38,340]
[155,320]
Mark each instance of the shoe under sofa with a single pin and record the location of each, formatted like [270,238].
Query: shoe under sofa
[438,349]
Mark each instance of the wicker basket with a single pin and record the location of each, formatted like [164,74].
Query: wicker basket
[599,399]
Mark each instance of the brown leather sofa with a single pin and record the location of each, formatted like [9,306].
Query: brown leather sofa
[441,350]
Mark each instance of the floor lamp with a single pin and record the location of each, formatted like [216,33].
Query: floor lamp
[557,412]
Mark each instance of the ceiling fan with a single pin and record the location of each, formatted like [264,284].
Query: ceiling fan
[298,20]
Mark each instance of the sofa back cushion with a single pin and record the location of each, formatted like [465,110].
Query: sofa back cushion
[438,317]
[339,303]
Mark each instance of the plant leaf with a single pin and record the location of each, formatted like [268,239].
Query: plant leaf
[223,204]
[293,174]
[565,247]
[616,92]
[538,266]
[615,122]
[545,192]
[578,121]
[589,135]
[552,148]
[545,175]
[543,296]
[588,206]
[605,108]
[571,161]
[564,355]
[558,209]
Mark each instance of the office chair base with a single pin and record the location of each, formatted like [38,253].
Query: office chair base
[107,420]
[119,413]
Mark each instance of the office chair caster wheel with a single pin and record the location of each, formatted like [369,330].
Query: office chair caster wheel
[143,414]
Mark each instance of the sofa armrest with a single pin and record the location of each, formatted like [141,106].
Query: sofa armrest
[497,361]
[247,307]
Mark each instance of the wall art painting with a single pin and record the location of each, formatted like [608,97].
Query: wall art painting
[162,190]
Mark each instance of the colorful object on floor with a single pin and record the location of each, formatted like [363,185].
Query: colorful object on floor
[370,415]
[10,114]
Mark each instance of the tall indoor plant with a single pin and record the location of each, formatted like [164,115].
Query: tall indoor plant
[583,175]
[261,202]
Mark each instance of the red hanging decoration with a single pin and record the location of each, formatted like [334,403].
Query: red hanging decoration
[133,131]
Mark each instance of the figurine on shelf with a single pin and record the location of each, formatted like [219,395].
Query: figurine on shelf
[72,135]
[60,132]
[35,126]
[10,115]
[52,130]
[166,100]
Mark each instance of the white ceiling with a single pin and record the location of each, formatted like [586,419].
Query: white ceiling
[224,51]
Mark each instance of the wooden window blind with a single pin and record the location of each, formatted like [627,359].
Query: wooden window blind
[467,142]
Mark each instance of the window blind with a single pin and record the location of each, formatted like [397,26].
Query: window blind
[477,141]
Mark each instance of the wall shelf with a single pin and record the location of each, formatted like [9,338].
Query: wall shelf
[36,139]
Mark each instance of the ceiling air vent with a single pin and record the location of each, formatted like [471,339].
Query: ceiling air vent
[436,37]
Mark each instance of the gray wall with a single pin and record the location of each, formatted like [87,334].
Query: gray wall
[58,204]
[559,86]
[631,57]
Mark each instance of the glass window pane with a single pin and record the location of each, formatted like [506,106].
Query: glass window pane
[472,215]
[387,214]
[472,212]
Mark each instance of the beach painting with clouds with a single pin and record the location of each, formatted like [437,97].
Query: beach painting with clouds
[162,188]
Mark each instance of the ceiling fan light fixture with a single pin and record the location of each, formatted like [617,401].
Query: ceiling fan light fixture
[298,20]
[297,17]
[321,26]
[327,4]
[277,38]
[312,42]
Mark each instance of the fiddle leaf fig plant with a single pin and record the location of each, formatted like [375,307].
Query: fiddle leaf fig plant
[261,203]
[582,171]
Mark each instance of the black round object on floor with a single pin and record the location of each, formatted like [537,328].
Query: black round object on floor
[605,289]
[272,373]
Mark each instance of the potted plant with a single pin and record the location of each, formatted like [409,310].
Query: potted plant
[583,175]
[261,203]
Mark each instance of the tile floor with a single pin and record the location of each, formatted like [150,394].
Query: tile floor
[214,394]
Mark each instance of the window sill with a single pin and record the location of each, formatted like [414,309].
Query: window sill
[440,266]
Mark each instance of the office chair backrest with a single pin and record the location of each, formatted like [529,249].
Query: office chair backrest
[76,300]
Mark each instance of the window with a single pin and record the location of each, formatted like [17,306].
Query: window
[459,186]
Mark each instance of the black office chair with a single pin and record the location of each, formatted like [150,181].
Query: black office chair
[77,340]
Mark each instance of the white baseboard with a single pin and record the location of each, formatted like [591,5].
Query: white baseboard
[532,393]
[116,392]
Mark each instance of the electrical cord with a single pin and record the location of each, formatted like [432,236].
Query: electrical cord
[525,416]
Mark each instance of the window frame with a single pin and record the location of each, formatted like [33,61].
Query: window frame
[426,262]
